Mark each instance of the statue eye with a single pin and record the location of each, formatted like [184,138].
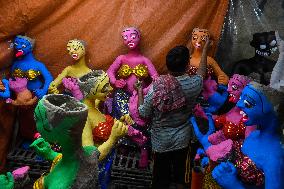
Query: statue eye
[125,37]
[272,43]
[235,87]
[24,46]
[247,104]
[133,36]
[194,37]
[262,46]
[203,38]
[16,44]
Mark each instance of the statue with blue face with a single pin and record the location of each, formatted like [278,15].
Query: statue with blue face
[260,105]
[26,66]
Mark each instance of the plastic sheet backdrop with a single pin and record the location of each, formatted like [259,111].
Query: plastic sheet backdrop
[163,24]
[243,19]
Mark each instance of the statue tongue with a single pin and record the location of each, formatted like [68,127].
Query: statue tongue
[19,53]
[231,99]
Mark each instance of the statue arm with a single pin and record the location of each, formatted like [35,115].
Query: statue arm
[112,70]
[43,149]
[151,68]
[222,77]
[57,81]
[119,129]
[6,93]
[87,136]
[46,76]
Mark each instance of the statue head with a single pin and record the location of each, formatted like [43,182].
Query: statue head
[76,48]
[23,45]
[264,43]
[235,86]
[258,102]
[60,118]
[199,37]
[131,37]
[95,85]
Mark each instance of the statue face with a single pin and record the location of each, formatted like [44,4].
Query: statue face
[131,37]
[254,106]
[199,37]
[76,49]
[102,88]
[264,43]
[22,46]
[50,123]
[235,86]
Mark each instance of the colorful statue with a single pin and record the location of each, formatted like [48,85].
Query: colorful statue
[225,144]
[123,74]
[259,66]
[125,71]
[260,105]
[26,66]
[65,115]
[198,39]
[92,86]
[77,50]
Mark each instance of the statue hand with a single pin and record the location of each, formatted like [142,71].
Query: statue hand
[225,174]
[120,83]
[3,82]
[41,147]
[53,89]
[70,84]
[203,139]
[9,100]
[127,119]
[204,162]
[119,129]
[7,181]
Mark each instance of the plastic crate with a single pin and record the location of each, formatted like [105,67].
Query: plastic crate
[19,157]
[125,172]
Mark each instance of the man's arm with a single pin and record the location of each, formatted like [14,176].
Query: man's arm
[203,61]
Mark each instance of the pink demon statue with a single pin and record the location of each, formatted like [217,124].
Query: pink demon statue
[124,73]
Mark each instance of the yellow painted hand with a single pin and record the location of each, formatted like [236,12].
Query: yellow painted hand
[119,129]
[53,89]
[127,119]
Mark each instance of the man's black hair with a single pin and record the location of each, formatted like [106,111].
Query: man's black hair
[177,59]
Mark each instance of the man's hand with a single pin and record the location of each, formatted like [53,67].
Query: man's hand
[208,44]
[138,85]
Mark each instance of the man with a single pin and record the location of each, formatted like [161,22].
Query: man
[169,103]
